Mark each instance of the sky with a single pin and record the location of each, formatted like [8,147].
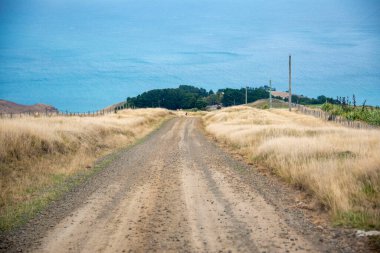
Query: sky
[85,55]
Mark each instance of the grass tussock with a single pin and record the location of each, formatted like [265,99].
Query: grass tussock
[340,166]
[38,154]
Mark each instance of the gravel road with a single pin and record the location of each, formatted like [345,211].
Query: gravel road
[176,192]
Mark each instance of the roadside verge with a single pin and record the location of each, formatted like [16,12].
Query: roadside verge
[43,158]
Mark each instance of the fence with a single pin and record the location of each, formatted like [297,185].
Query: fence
[58,113]
[318,113]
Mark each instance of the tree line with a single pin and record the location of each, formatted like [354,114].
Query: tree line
[189,97]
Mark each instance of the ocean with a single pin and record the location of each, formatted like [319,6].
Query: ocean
[85,55]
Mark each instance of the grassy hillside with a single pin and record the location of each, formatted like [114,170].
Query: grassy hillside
[37,154]
[264,104]
[338,165]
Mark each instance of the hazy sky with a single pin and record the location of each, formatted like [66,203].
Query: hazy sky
[84,55]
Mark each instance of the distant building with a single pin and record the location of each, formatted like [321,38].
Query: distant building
[281,94]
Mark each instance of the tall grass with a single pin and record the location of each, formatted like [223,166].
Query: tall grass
[340,166]
[38,153]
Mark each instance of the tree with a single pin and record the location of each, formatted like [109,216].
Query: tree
[232,97]
[188,97]
[213,99]
[201,103]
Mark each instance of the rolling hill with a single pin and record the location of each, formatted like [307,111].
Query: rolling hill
[11,107]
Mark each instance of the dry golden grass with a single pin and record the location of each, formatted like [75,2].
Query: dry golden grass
[35,153]
[340,166]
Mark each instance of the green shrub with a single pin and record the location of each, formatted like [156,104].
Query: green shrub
[369,115]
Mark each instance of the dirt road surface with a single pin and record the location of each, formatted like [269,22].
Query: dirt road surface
[175,192]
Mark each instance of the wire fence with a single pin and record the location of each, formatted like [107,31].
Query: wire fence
[48,113]
[318,113]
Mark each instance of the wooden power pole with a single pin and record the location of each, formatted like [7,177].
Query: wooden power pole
[290,83]
[270,93]
[246,94]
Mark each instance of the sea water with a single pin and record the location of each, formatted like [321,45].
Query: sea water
[85,55]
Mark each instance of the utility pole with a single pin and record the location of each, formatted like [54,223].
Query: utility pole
[270,94]
[246,95]
[290,83]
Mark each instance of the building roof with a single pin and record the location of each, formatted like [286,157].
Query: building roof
[281,94]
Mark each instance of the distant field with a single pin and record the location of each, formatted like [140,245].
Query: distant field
[338,165]
[36,154]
